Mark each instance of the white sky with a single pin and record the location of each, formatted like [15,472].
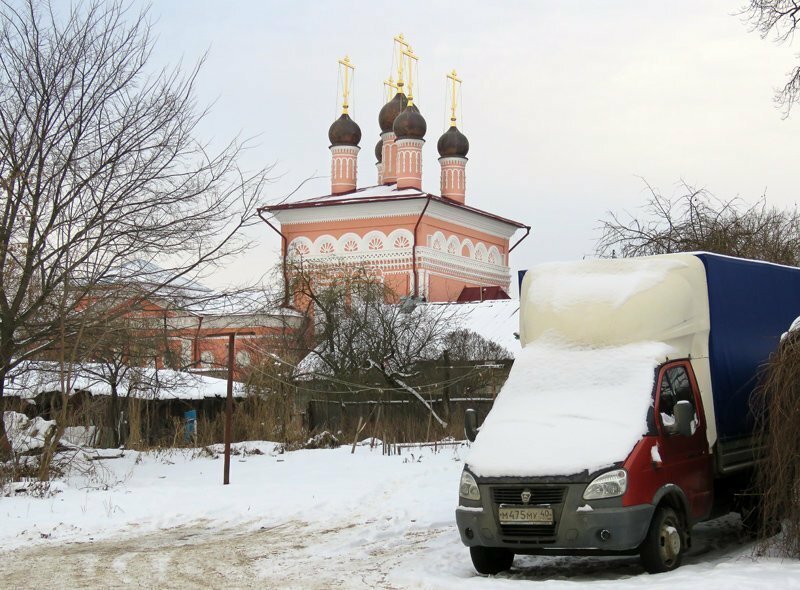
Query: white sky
[566,105]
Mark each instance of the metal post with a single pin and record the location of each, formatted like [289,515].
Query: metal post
[229,413]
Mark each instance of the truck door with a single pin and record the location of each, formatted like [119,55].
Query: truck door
[686,458]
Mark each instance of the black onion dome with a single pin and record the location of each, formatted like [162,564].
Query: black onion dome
[379,151]
[344,131]
[410,124]
[453,143]
[390,110]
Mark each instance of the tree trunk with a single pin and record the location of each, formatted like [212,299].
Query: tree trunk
[5,445]
[114,413]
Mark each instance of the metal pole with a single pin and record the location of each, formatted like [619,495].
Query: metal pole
[229,413]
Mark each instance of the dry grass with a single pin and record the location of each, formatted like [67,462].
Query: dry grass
[778,476]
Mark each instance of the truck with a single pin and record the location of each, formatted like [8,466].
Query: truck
[627,416]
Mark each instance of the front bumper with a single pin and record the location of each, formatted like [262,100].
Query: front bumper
[580,525]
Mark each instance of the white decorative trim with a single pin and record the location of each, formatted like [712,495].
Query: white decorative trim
[386,258]
[300,246]
[478,281]
[400,238]
[467,243]
[463,266]
[348,242]
[325,244]
[467,218]
[493,256]
[373,240]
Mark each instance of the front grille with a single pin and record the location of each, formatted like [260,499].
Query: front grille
[537,533]
[539,495]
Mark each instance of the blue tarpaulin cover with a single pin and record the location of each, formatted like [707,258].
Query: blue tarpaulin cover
[751,305]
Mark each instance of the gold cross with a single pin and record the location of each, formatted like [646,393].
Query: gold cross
[453,77]
[403,44]
[412,59]
[348,67]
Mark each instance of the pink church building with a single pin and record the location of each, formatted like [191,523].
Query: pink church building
[429,246]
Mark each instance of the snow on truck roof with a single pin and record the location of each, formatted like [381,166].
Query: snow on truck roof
[592,333]
[609,302]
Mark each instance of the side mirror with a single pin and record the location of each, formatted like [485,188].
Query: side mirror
[684,414]
[471,424]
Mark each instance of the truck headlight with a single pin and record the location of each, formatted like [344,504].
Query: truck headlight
[469,487]
[609,485]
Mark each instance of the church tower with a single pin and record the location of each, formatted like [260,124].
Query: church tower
[344,135]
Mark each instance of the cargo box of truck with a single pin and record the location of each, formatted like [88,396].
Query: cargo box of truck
[626,417]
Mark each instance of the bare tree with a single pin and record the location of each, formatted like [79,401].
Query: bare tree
[113,348]
[779,19]
[778,474]
[465,345]
[99,164]
[698,221]
[358,330]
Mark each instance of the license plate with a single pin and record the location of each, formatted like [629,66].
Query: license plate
[525,515]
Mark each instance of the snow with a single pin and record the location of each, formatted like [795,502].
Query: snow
[33,378]
[496,320]
[655,455]
[566,409]
[794,327]
[369,192]
[25,434]
[564,285]
[307,519]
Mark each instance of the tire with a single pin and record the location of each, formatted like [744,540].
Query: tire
[665,543]
[491,560]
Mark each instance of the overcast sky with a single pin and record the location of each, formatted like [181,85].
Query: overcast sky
[567,106]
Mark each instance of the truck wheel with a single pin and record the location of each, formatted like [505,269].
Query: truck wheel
[491,560]
[663,546]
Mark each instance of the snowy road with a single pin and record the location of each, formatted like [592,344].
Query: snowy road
[298,554]
[324,519]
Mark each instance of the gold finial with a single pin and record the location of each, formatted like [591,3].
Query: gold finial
[408,53]
[403,45]
[453,77]
[348,68]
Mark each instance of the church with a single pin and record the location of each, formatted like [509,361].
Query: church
[432,247]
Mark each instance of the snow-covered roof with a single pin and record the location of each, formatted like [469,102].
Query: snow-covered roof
[369,192]
[32,378]
[384,193]
[496,320]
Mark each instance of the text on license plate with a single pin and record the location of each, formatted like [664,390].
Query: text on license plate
[525,515]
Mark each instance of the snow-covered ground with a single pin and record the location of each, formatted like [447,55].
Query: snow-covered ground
[305,519]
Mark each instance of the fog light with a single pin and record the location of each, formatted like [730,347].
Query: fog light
[468,533]
[605,535]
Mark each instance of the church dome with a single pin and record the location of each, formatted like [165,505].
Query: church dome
[410,124]
[379,151]
[390,110]
[344,131]
[453,143]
